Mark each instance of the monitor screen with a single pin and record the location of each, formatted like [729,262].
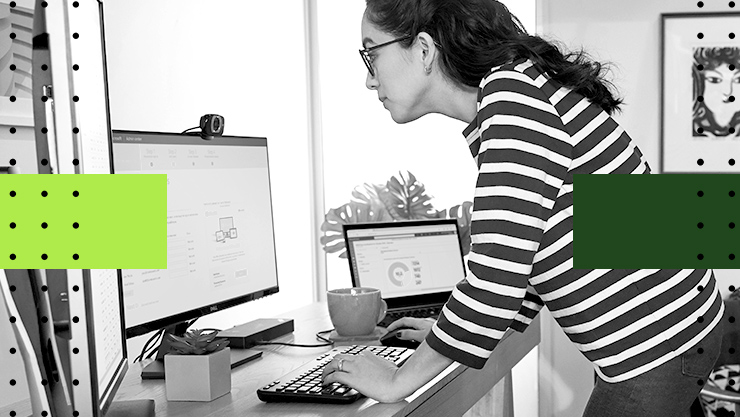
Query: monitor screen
[220,240]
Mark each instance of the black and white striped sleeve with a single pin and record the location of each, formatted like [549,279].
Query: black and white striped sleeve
[523,159]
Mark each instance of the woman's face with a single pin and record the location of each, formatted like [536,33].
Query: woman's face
[720,84]
[399,76]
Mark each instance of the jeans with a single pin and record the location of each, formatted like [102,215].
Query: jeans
[666,391]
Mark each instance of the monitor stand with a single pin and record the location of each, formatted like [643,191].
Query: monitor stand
[155,369]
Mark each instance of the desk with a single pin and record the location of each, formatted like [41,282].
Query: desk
[452,393]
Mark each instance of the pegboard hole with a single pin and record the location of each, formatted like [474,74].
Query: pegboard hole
[76,4]
[76,130]
[44,193]
[12,99]
[75,288]
[700,351]
[731,319]
[700,288]
[700,193]
[700,4]
[44,162]
[12,225]
[75,67]
[732,288]
[12,161]
[731,35]
[12,67]
[44,225]
[75,319]
[12,193]
[44,288]
[12,35]
[75,193]
[12,257]
[12,351]
[75,351]
[700,256]
[44,319]
[44,130]
[700,35]
[700,319]
[700,99]
[732,194]
[44,67]
[44,256]
[700,225]
[76,35]
[75,99]
[12,288]
[76,225]
[700,130]
[75,382]
[700,162]
[732,225]
[12,130]
[75,162]
[75,256]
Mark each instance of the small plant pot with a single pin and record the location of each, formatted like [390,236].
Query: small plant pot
[197,377]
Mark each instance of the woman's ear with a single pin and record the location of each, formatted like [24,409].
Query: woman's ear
[428,51]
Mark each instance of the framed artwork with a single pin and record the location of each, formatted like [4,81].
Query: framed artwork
[700,93]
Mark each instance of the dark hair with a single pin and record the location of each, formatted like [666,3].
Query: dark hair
[474,36]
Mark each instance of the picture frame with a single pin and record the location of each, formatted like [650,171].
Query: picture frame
[700,93]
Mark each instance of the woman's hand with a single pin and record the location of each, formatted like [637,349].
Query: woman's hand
[380,379]
[412,328]
[369,374]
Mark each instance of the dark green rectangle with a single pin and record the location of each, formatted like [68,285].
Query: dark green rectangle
[656,221]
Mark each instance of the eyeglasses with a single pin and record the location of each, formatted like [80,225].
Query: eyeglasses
[365,53]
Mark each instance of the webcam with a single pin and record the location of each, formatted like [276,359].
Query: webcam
[211,125]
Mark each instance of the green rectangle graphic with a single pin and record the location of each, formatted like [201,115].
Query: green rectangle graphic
[656,221]
[86,221]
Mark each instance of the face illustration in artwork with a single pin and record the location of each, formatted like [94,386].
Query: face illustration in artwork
[721,88]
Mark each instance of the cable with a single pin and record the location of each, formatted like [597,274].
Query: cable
[186,130]
[318,336]
[146,346]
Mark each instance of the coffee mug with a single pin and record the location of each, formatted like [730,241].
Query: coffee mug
[355,311]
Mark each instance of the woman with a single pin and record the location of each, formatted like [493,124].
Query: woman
[716,74]
[534,119]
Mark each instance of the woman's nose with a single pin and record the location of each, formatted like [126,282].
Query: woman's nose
[371,82]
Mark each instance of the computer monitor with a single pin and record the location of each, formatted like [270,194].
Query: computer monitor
[220,239]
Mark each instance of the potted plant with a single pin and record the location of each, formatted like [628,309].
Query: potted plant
[400,198]
[198,367]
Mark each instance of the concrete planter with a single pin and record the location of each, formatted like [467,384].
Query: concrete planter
[197,377]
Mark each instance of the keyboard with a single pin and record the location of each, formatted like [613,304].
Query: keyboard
[421,313]
[303,384]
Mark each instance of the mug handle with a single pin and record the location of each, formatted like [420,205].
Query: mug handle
[383,310]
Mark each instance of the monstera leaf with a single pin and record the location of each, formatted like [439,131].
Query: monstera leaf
[352,212]
[463,213]
[398,199]
[406,199]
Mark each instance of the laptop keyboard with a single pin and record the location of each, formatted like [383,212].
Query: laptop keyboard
[423,312]
[303,384]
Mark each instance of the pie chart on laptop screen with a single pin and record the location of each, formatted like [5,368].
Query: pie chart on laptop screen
[398,273]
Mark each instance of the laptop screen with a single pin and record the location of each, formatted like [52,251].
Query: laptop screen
[405,259]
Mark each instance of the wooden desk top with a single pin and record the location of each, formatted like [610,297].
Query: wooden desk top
[452,393]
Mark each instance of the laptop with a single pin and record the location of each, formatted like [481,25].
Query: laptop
[415,264]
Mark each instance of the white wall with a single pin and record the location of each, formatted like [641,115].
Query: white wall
[626,33]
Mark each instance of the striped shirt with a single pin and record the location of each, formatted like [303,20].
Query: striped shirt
[530,136]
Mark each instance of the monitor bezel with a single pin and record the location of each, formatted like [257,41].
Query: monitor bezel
[163,322]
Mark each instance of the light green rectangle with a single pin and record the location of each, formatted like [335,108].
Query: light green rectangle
[122,221]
